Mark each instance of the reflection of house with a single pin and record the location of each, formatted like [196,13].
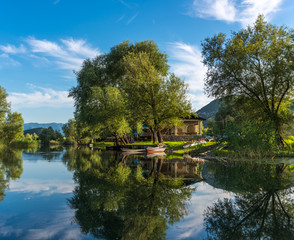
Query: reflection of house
[175,168]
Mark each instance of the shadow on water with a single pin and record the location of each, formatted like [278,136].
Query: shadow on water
[263,204]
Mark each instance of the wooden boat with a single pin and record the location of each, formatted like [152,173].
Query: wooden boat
[130,150]
[155,149]
[158,154]
[186,145]
[191,144]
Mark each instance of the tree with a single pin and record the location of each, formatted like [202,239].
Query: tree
[158,100]
[256,64]
[70,130]
[13,127]
[49,134]
[4,105]
[106,78]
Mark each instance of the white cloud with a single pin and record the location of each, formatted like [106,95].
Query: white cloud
[40,97]
[11,49]
[186,62]
[80,47]
[242,11]
[69,54]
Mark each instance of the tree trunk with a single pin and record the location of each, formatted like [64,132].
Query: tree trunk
[116,141]
[160,138]
[126,139]
[123,141]
[154,135]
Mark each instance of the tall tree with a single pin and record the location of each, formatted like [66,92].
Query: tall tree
[157,99]
[4,105]
[13,127]
[256,62]
[106,77]
[70,130]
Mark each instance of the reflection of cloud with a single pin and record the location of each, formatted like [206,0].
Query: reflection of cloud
[42,97]
[191,227]
[186,62]
[41,225]
[45,187]
[244,11]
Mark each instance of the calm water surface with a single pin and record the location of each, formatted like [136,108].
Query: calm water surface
[84,194]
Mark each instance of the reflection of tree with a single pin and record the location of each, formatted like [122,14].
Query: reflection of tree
[114,202]
[50,152]
[10,168]
[263,212]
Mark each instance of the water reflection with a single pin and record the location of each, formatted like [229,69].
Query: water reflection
[116,200]
[10,168]
[262,207]
[137,197]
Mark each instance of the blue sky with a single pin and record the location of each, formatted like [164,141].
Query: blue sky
[42,42]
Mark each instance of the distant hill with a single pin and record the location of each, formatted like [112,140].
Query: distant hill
[33,130]
[209,111]
[55,126]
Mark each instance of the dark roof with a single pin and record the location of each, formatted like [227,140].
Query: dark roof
[193,117]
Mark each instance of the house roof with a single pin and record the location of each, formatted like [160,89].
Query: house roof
[193,117]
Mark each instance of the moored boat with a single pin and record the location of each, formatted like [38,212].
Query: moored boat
[157,154]
[130,150]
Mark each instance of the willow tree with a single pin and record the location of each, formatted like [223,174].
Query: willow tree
[256,62]
[159,100]
[108,77]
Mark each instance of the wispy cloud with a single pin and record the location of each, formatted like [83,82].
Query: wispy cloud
[121,18]
[125,4]
[69,54]
[12,49]
[6,60]
[132,18]
[186,62]
[40,97]
[242,11]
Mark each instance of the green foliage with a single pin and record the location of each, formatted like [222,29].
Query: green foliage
[156,99]
[70,131]
[11,124]
[13,127]
[255,64]
[115,94]
[48,134]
